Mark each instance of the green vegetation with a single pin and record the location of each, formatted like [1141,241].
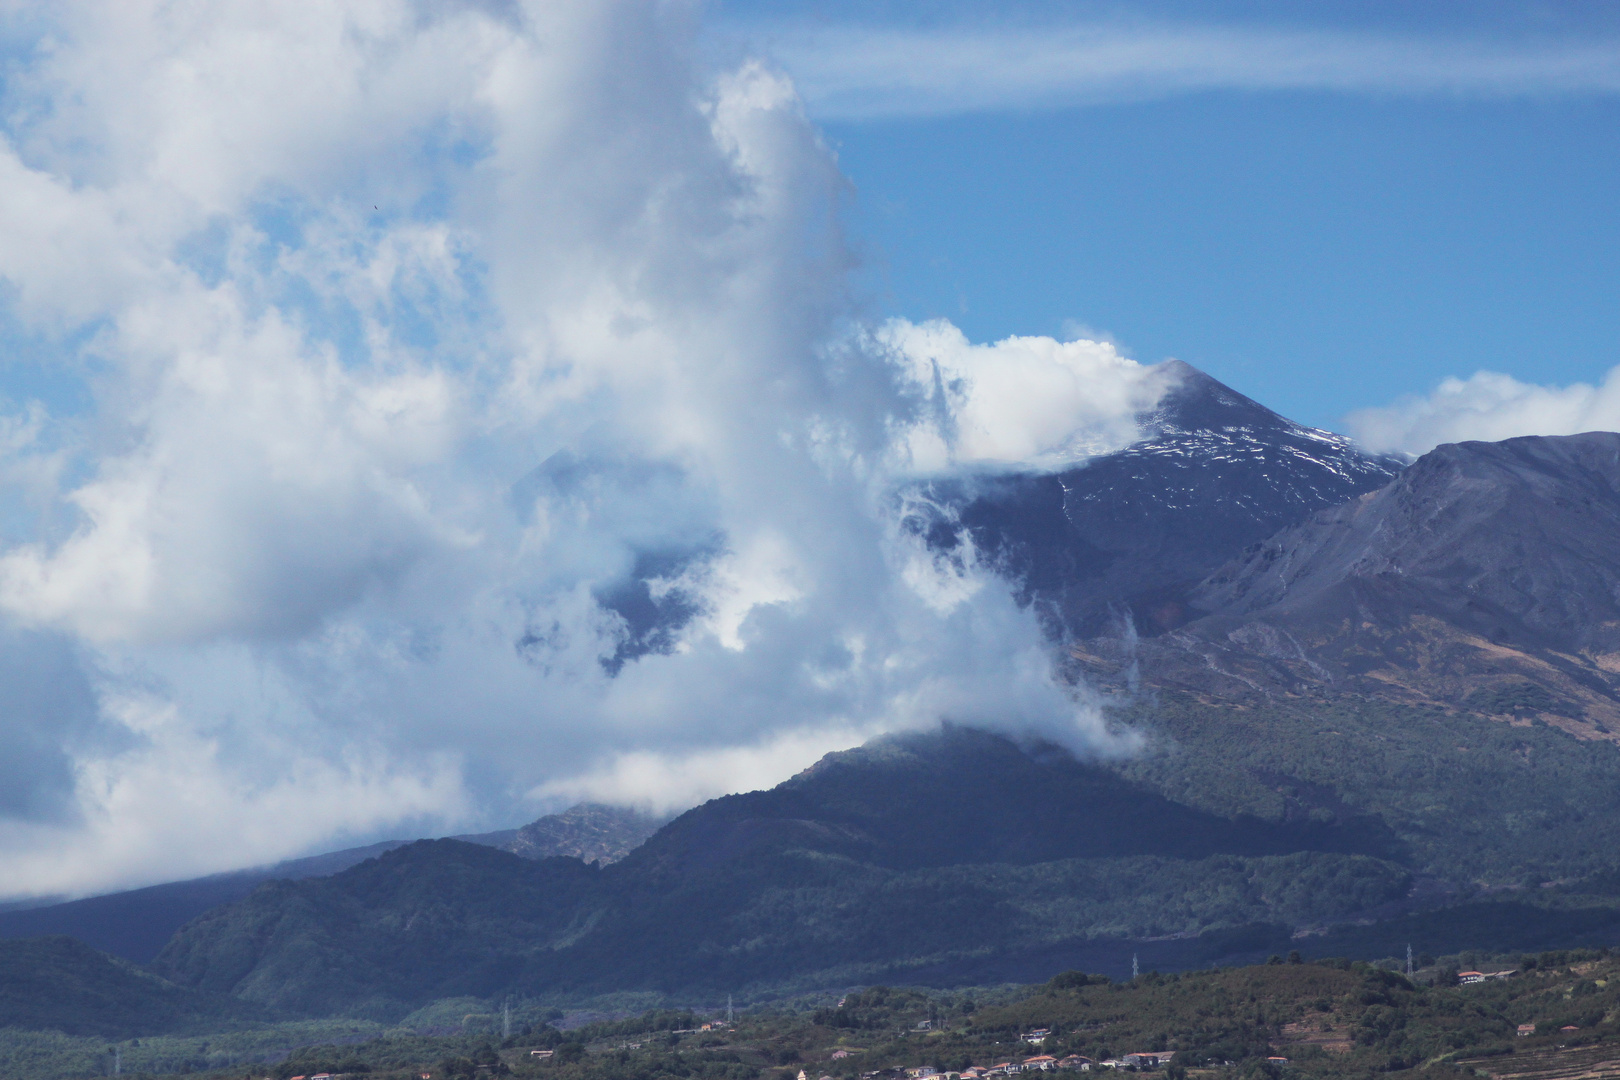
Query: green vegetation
[863,871]
[1520,699]
[1331,1019]
[51,1055]
[435,919]
[1470,799]
[478,923]
[65,985]
[859,871]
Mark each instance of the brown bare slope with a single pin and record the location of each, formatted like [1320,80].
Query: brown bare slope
[1485,577]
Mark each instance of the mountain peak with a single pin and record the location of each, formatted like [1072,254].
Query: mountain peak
[1199,404]
[1198,401]
[1129,533]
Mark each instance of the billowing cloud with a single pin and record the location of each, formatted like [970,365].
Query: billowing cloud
[1029,402]
[1488,406]
[459,409]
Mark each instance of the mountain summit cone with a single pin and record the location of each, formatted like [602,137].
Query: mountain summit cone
[1125,537]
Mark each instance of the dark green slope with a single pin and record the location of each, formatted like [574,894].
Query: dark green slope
[963,796]
[1471,798]
[135,924]
[59,984]
[912,852]
[437,918]
[956,858]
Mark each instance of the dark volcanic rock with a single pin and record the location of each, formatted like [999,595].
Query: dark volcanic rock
[1486,576]
[1134,531]
[1517,542]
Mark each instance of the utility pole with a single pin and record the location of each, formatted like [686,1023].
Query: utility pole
[506,1019]
[1135,969]
[118,1061]
[1408,961]
[729,1018]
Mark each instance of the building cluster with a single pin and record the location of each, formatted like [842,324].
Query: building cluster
[1138,1061]
[1466,977]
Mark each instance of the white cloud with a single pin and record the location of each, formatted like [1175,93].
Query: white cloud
[170,806]
[671,781]
[1022,402]
[1488,406]
[410,338]
[858,72]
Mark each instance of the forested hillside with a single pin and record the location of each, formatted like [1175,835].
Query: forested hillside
[853,872]
[63,985]
[1538,1017]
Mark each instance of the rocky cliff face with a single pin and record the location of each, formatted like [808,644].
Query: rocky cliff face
[589,831]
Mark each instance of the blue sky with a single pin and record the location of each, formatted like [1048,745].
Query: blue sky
[1324,249]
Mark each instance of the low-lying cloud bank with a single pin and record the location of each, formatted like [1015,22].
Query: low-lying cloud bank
[1488,406]
[439,412]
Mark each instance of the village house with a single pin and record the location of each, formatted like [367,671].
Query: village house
[1075,1061]
[1043,1062]
[1036,1037]
[839,1055]
[1148,1059]
[1527,1029]
[542,1055]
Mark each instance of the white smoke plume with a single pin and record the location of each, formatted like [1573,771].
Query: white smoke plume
[444,411]
[1488,406]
